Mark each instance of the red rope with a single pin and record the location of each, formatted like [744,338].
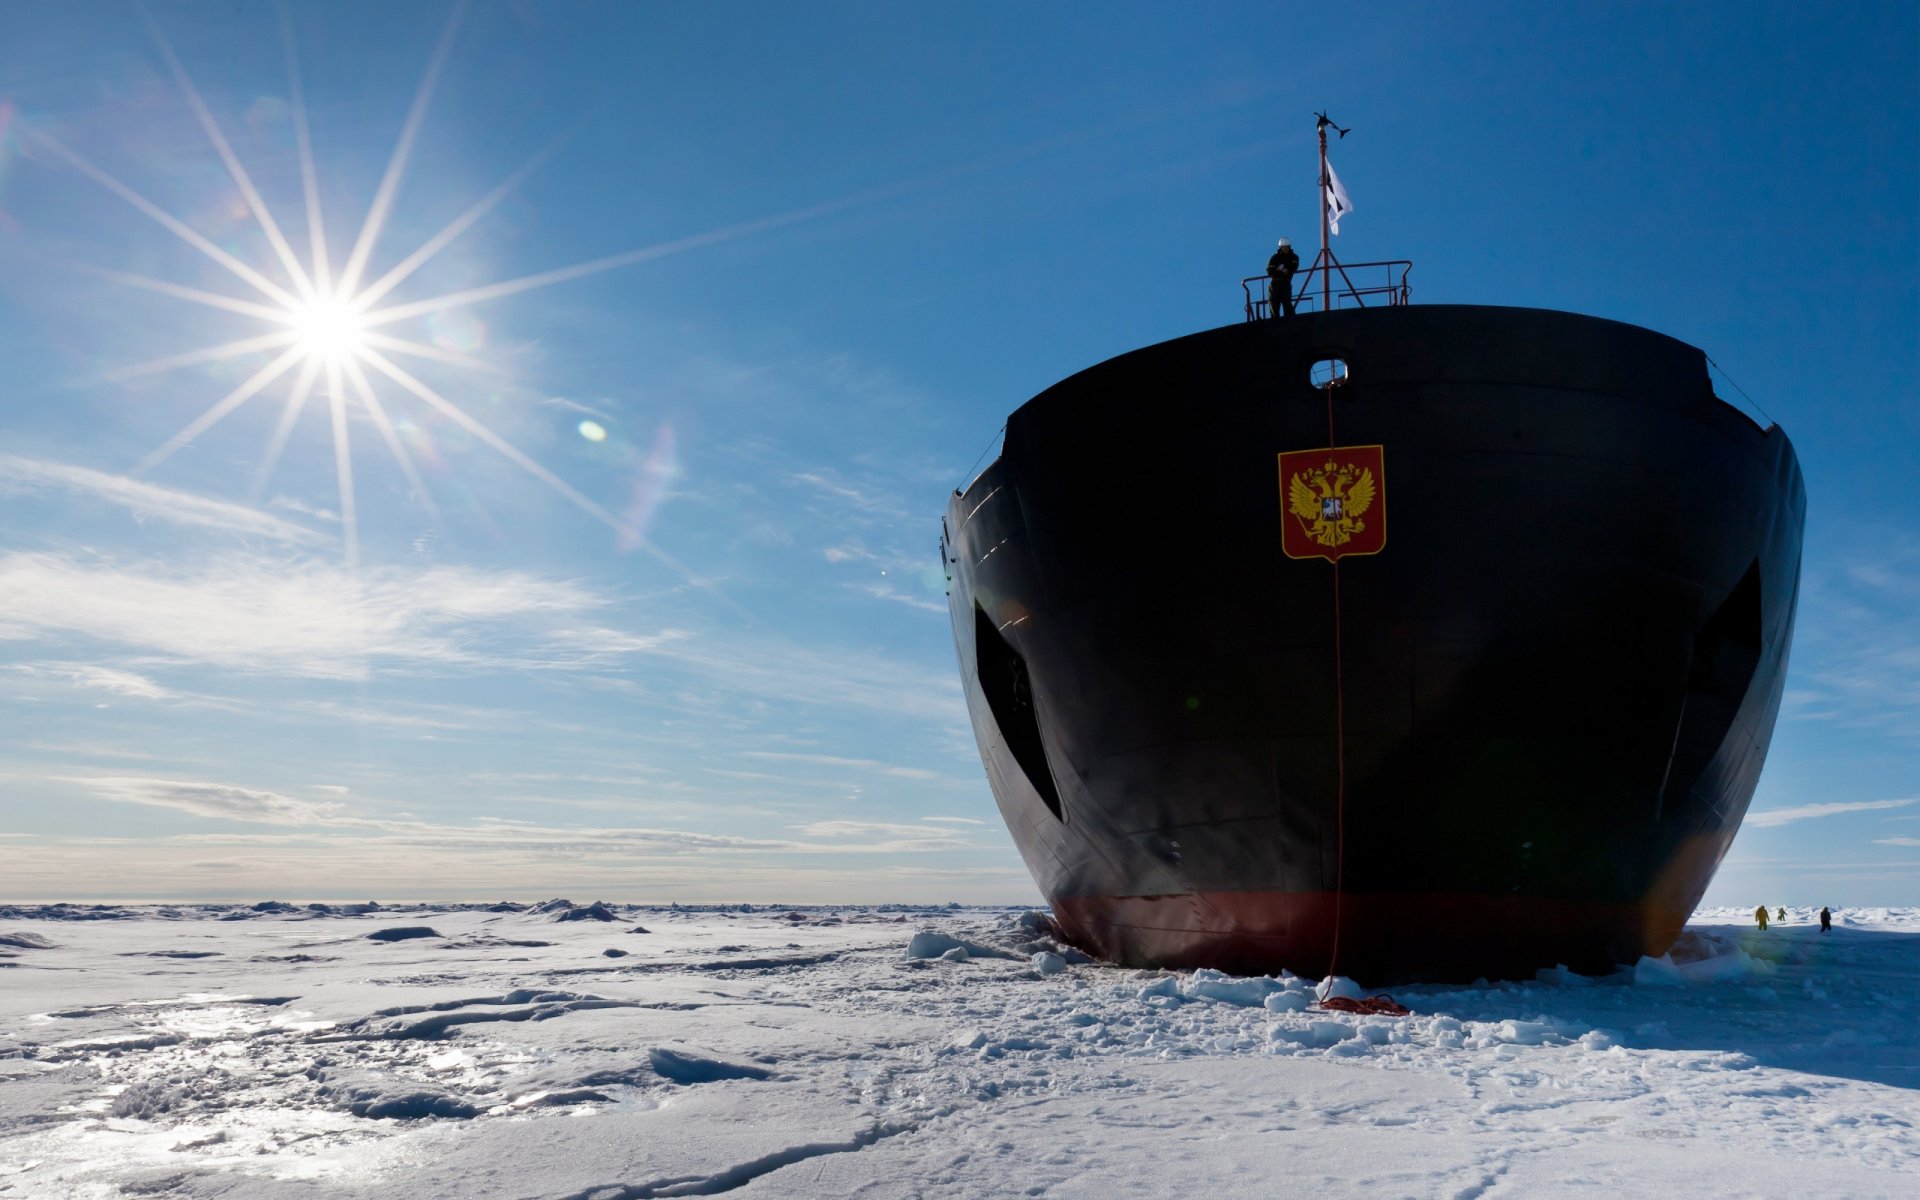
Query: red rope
[1340,748]
[1340,777]
[1382,1005]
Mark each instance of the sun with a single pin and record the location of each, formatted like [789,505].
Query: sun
[328,329]
[334,334]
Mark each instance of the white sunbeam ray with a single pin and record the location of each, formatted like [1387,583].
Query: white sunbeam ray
[439,241]
[179,228]
[309,176]
[472,425]
[371,402]
[397,164]
[302,388]
[245,308]
[255,203]
[695,241]
[191,358]
[343,463]
[226,404]
[460,417]
[422,350]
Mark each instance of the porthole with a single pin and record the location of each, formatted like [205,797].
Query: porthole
[1327,372]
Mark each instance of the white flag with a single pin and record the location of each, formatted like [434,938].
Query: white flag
[1336,200]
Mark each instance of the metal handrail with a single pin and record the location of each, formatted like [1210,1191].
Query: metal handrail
[1394,288]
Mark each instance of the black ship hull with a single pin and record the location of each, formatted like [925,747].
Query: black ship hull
[1523,732]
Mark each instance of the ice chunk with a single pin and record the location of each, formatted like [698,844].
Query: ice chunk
[1735,964]
[401,933]
[378,1098]
[1048,963]
[956,955]
[1560,976]
[1036,924]
[1328,1033]
[1245,992]
[684,1067]
[931,943]
[597,911]
[1338,986]
[1289,1001]
[1657,972]
[1524,1033]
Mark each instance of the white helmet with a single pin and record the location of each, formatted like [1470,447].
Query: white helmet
[1284,243]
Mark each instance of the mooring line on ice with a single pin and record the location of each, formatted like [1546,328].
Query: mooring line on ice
[1339,745]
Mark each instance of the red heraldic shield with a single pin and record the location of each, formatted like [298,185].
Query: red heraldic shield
[1333,502]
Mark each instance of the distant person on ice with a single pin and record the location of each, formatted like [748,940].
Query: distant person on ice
[1826,920]
[1280,269]
[1760,915]
[1780,914]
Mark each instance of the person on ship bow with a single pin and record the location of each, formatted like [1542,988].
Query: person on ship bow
[1280,269]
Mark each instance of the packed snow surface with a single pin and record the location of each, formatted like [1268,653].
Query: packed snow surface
[481,1051]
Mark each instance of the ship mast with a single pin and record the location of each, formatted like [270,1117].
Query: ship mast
[1326,261]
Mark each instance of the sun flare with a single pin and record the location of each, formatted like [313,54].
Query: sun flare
[328,329]
[331,332]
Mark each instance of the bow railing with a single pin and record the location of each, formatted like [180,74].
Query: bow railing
[1341,285]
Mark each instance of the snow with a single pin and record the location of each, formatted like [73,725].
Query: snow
[281,1050]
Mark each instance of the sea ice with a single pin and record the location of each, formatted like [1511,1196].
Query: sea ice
[816,1052]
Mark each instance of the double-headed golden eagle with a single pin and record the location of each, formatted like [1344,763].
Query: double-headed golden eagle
[1330,501]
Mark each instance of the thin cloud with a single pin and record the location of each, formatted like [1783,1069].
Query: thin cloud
[882,591]
[147,501]
[217,800]
[94,750]
[1897,841]
[910,836]
[830,760]
[304,619]
[321,621]
[561,402]
[224,801]
[862,503]
[1771,817]
[289,504]
[783,670]
[98,678]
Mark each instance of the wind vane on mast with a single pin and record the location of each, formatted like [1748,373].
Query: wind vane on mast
[1333,205]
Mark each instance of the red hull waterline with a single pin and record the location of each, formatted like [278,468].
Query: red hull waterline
[1407,935]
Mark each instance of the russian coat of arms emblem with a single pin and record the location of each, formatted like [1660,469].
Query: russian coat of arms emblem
[1333,502]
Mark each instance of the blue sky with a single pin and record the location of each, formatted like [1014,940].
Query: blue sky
[707,657]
